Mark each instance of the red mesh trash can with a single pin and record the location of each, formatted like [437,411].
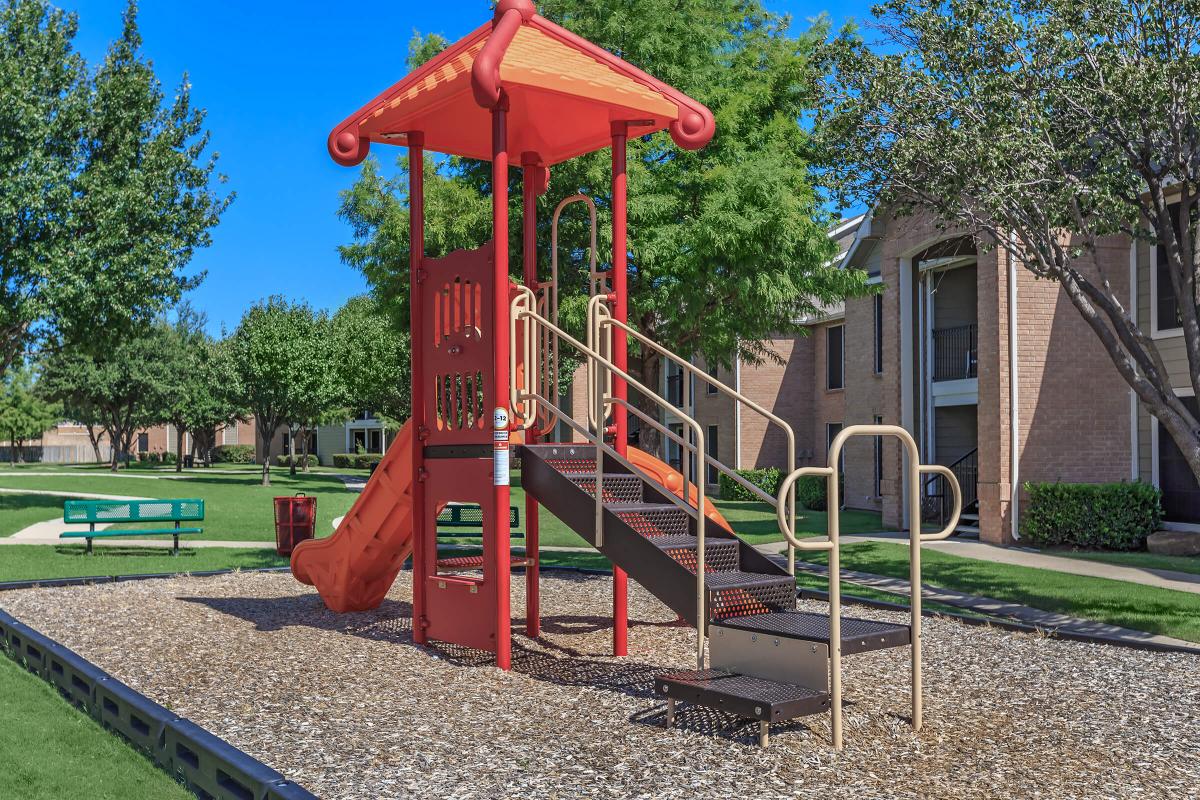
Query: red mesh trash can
[295,521]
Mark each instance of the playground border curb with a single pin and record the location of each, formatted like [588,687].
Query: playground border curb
[207,765]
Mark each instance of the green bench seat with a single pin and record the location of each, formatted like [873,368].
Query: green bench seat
[105,512]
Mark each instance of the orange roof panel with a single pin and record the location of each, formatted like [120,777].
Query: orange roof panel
[563,95]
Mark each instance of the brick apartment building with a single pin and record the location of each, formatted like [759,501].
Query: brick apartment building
[992,371]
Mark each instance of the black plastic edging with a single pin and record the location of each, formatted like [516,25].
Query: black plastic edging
[209,766]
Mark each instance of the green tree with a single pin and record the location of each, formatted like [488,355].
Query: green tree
[268,351]
[316,385]
[212,402]
[24,414]
[728,244]
[128,387]
[1042,127]
[105,187]
[42,117]
[373,360]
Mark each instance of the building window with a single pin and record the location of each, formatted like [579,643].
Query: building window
[710,387]
[878,460]
[878,334]
[1164,308]
[143,444]
[834,362]
[675,384]
[710,446]
[229,434]
[832,429]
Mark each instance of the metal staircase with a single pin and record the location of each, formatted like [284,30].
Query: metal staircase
[757,656]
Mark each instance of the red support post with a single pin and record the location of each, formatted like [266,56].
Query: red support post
[620,275]
[530,182]
[416,253]
[502,550]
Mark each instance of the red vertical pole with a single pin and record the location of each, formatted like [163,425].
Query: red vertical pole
[502,549]
[620,274]
[416,252]
[529,187]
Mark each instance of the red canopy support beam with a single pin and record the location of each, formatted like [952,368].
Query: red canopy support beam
[502,550]
[416,253]
[531,187]
[620,276]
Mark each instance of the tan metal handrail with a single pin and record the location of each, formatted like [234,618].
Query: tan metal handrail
[831,544]
[600,317]
[522,310]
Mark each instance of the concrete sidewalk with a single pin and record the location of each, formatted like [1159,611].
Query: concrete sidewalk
[1048,620]
[1036,559]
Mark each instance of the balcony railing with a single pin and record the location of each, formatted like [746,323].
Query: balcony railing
[956,353]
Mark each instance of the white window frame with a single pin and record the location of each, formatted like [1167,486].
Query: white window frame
[842,366]
[1155,331]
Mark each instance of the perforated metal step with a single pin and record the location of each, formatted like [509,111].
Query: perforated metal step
[744,695]
[858,635]
[739,594]
[651,519]
[720,555]
[619,487]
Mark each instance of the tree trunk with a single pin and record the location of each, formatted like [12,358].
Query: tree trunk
[292,450]
[266,436]
[304,445]
[649,372]
[179,436]
[94,438]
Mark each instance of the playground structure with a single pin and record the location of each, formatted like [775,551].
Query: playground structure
[485,365]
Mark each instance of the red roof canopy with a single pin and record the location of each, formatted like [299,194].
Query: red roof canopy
[563,92]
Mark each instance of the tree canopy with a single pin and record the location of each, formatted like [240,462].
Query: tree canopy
[372,360]
[1042,127]
[106,186]
[24,414]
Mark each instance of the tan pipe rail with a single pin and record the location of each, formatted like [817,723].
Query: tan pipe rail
[599,318]
[831,543]
[521,310]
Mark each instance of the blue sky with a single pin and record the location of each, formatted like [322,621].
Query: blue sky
[275,78]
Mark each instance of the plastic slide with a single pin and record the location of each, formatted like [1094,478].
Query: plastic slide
[672,479]
[354,568]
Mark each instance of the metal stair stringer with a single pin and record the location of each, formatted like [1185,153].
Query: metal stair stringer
[652,539]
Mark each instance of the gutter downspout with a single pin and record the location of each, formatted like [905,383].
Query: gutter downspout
[1013,396]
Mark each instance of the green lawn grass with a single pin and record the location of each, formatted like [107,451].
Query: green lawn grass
[1189,564]
[237,507]
[51,750]
[1129,605]
[755,521]
[28,562]
[18,511]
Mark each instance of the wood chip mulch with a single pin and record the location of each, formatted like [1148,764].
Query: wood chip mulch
[348,707]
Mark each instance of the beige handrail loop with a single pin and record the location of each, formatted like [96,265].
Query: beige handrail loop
[955,491]
[786,526]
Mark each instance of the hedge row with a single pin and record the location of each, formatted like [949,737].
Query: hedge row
[766,479]
[356,460]
[155,457]
[1100,516]
[286,461]
[233,454]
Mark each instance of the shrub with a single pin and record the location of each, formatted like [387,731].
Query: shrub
[1102,516]
[154,457]
[367,460]
[343,460]
[286,461]
[169,457]
[810,491]
[233,454]
[142,456]
[766,479]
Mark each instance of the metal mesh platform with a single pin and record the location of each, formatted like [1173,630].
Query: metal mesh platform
[858,635]
[470,563]
[743,695]
[653,520]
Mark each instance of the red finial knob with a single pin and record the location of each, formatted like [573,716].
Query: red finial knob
[526,7]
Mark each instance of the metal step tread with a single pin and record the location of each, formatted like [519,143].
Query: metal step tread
[635,508]
[744,695]
[736,579]
[684,541]
[858,635]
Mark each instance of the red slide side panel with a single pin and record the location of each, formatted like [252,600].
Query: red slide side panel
[354,568]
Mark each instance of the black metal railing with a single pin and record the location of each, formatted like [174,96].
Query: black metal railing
[956,352]
[936,497]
